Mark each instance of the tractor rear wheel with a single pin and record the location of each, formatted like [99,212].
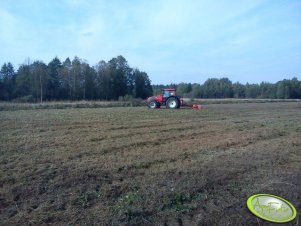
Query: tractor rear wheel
[172,103]
[152,104]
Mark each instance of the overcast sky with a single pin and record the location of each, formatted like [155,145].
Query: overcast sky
[173,41]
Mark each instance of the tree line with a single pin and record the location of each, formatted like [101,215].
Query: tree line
[224,88]
[73,80]
[115,79]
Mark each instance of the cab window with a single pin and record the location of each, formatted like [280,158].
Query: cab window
[166,93]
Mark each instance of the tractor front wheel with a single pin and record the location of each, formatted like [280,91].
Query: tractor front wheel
[152,104]
[172,103]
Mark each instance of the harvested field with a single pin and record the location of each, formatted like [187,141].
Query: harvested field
[135,166]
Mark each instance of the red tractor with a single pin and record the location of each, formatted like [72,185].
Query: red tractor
[167,98]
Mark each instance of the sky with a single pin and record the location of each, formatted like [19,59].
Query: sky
[173,41]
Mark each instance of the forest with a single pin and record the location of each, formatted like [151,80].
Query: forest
[224,88]
[116,80]
[73,80]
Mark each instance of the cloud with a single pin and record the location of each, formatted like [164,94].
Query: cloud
[164,38]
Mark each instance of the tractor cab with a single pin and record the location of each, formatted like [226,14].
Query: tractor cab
[167,92]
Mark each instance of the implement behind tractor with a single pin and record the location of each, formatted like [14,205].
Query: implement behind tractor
[169,99]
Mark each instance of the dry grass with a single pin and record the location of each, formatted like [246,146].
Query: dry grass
[135,166]
[14,106]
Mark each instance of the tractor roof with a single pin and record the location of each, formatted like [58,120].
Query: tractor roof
[169,89]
